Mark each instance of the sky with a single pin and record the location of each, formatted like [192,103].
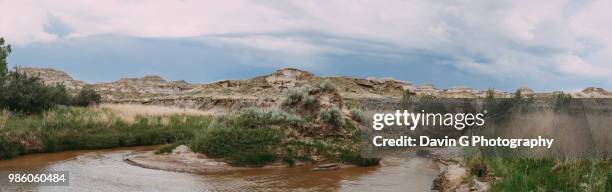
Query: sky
[546,45]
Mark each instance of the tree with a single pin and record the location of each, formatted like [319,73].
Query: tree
[5,50]
[26,94]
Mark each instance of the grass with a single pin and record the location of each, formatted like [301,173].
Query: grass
[223,142]
[523,174]
[130,112]
[72,128]
[247,137]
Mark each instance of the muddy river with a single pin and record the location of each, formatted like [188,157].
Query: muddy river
[105,170]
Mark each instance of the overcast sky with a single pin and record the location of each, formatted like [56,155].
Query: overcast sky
[547,45]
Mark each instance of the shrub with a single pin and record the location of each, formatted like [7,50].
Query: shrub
[311,103]
[518,95]
[25,94]
[406,99]
[331,116]
[327,86]
[490,94]
[59,95]
[298,95]
[294,96]
[87,97]
[357,116]
[562,100]
[9,149]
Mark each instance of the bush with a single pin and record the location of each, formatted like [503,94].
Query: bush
[59,95]
[406,99]
[26,94]
[327,86]
[9,149]
[357,116]
[331,116]
[294,96]
[87,97]
[311,103]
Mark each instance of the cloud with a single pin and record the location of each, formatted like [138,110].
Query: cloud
[535,40]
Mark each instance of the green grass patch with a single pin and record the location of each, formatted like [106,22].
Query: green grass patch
[240,145]
[522,174]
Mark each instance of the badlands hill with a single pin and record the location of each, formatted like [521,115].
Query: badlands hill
[266,90]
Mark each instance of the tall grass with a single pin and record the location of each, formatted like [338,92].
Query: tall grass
[70,128]
[525,174]
[130,112]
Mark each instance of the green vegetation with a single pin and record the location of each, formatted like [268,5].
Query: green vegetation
[86,97]
[523,174]
[518,94]
[527,174]
[71,128]
[242,146]
[35,117]
[333,116]
[357,115]
[21,93]
[302,96]
[327,86]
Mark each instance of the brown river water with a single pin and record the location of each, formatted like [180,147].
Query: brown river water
[105,170]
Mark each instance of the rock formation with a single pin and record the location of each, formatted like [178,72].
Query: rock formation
[267,90]
[52,77]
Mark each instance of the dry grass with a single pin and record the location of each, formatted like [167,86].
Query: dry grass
[129,112]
